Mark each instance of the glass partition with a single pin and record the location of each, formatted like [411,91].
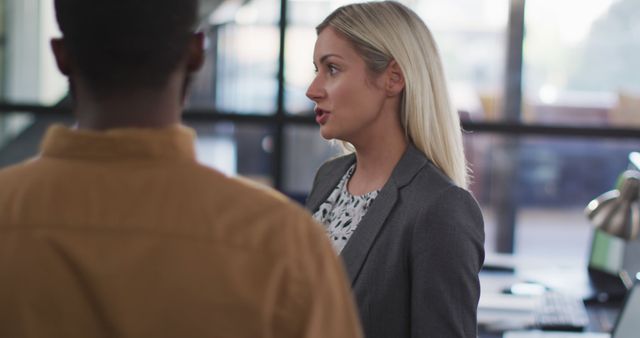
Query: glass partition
[30,73]
[554,180]
[3,40]
[582,63]
[240,74]
[236,149]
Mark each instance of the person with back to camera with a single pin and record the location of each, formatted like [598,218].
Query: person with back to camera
[396,208]
[115,230]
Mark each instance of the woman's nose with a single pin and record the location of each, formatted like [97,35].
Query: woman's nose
[315,91]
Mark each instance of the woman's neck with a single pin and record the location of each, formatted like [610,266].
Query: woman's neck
[375,162]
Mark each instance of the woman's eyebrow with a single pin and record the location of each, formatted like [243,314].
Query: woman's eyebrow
[326,56]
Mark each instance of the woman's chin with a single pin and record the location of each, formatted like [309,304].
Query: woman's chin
[327,133]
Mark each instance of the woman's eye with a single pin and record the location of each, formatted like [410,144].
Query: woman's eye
[332,69]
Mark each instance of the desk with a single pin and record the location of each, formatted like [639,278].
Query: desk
[498,312]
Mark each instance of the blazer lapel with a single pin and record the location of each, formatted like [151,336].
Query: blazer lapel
[357,248]
[327,181]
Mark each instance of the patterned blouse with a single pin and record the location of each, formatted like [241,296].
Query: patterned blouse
[342,211]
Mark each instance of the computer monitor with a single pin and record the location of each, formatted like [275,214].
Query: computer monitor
[607,253]
[606,265]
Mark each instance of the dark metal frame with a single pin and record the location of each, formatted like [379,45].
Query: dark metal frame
[501,128]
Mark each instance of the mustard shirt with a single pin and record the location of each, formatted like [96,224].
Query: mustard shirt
[123,234]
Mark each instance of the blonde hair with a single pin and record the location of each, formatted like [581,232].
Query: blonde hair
[386,31]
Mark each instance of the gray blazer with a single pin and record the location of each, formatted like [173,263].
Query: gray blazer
[414,259]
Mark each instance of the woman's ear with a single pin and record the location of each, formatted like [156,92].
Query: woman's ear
[395,79]
[61,55]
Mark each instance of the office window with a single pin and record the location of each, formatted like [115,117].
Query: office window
[305,151]
[553,181]
[3,121]
[236,149]
[27,68]
[472,45]
[241,70]
[582,62]
[31,74]
[3,22]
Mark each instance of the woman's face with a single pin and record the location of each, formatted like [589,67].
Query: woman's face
[348,101]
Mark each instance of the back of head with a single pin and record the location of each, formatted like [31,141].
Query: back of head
[122,44]
[385,31]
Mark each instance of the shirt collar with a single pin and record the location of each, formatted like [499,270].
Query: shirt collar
[175,142]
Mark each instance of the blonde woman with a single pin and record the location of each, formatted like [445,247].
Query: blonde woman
[396,208]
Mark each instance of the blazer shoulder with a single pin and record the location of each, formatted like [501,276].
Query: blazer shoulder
[443,193]
[431,177]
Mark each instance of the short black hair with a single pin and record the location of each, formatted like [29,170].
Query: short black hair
[124,44]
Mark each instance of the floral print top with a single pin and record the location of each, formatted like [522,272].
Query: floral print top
[342,211]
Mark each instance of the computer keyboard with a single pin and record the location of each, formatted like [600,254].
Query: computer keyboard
[561,312]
